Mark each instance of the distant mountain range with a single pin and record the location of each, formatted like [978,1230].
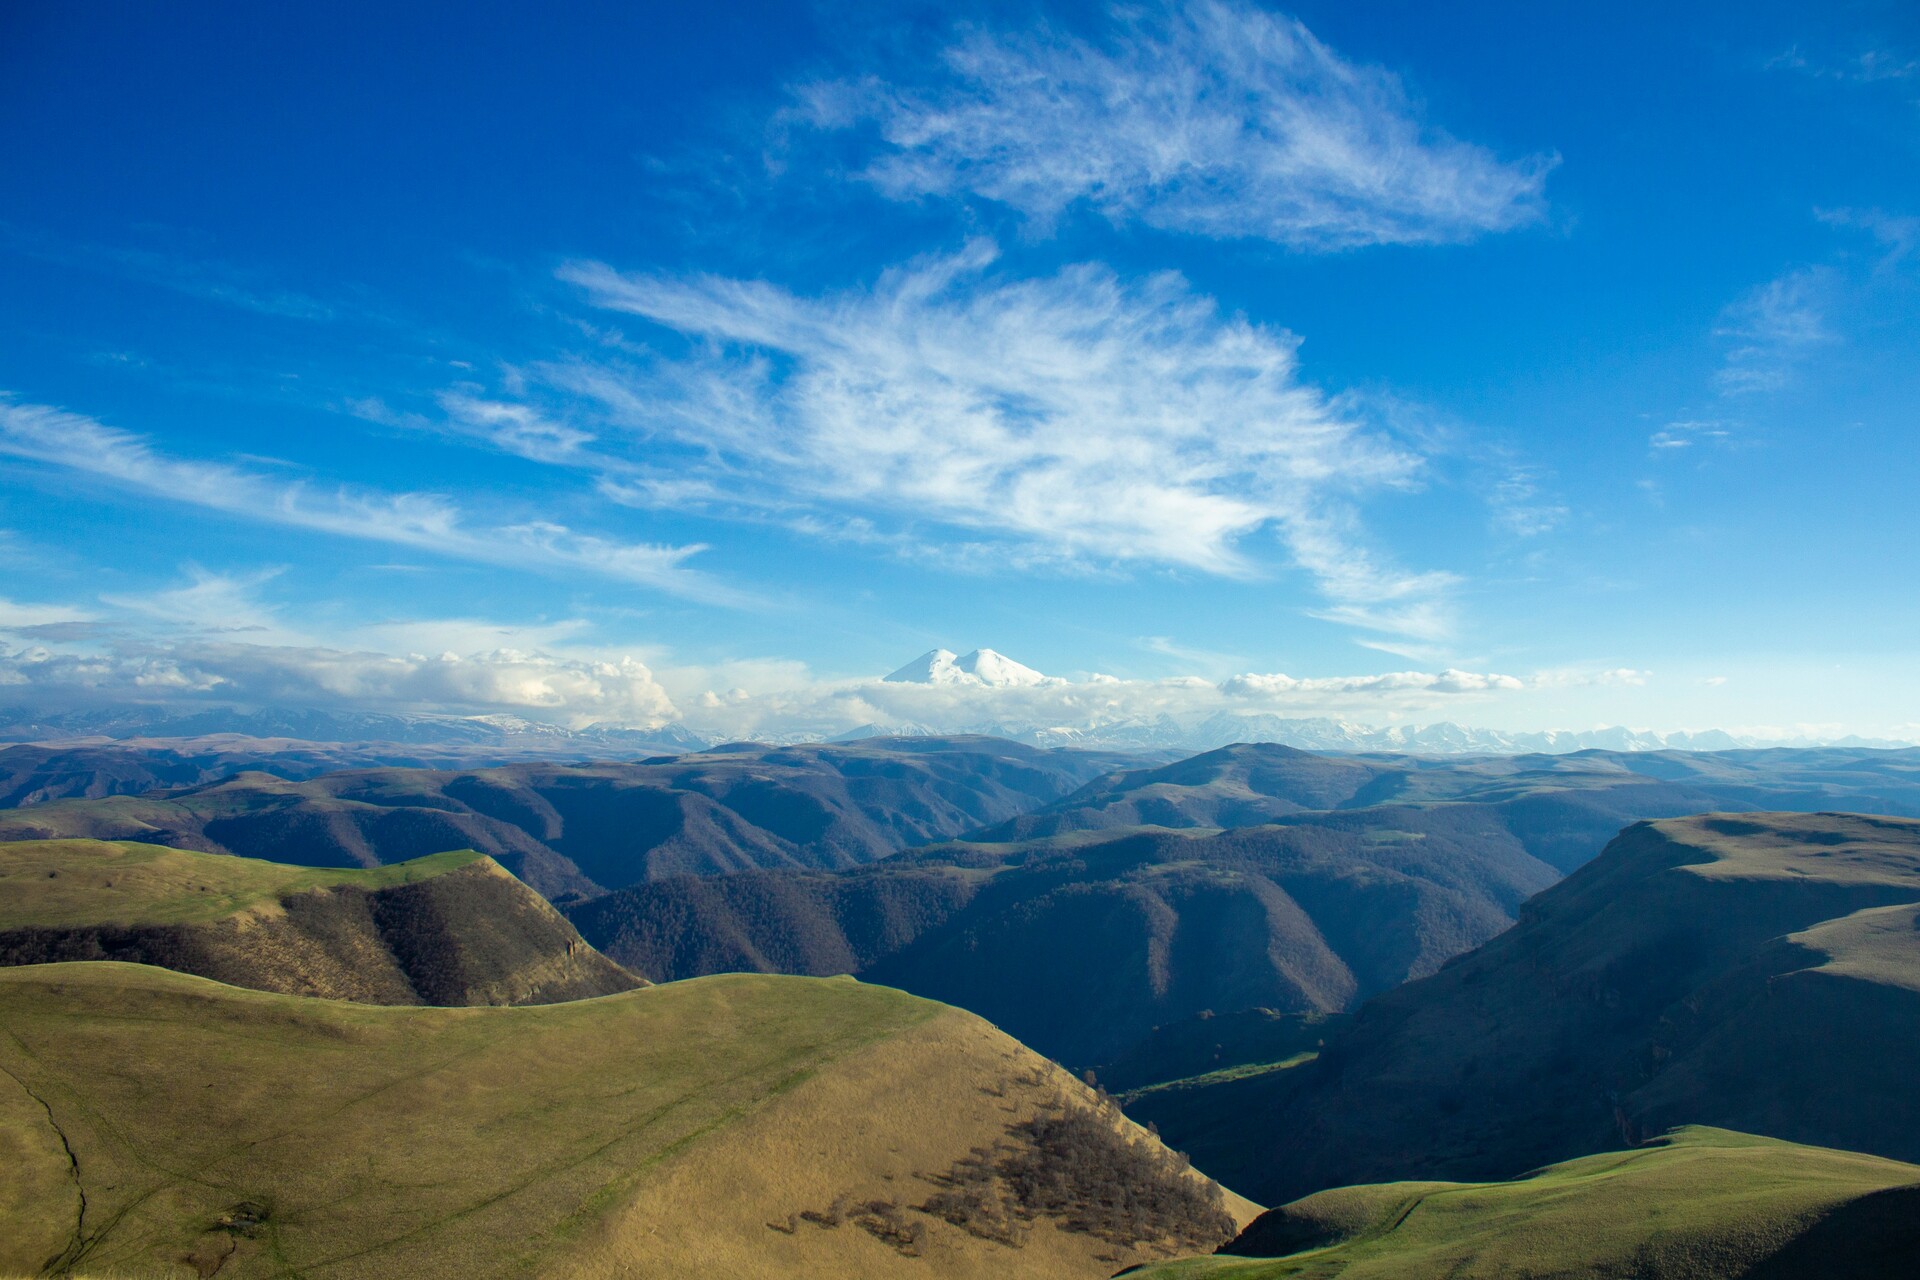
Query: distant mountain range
[1445,738]
[1251,876]
[569,829]
[498,738]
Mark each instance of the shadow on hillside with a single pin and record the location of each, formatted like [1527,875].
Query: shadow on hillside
[1870,1238]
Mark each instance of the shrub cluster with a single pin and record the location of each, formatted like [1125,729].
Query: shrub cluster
[1072,1163]
[884,1220]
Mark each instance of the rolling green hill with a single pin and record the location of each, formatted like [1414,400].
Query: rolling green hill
[450,929]
[571,831]
[156,1124]
[1699,1204]
[1758,972]
[1079,945]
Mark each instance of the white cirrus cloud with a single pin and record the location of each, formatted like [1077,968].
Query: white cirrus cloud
[1075,417]
[1685,433]
[208,603]
[1896,234]
[427,521]
[514,428]
[1867,66]
[505,426]
[1521,504]
[1212,117]
[1771,329]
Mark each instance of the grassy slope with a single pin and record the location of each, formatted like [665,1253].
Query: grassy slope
[1758,972]
[448,929]
[1701,1203]
[559,1139]
[56,883]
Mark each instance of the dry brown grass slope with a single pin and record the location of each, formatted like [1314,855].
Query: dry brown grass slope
[454,928]
[160,1124]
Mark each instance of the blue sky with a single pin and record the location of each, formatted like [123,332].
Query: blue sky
[1486,362]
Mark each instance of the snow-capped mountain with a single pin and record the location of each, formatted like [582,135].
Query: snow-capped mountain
[982,667]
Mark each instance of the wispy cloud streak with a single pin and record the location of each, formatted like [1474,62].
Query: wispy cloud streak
[1212,117]
[1770,330]
[1079,417]
[1869,66]
[425,521]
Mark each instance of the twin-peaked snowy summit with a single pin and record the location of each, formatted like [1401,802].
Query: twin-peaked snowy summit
[981,668]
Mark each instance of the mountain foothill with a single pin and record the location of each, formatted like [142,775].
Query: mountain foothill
[1758,972]
[1450,1016]
[569,830]
[1690,1058]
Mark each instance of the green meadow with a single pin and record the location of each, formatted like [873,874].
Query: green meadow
[68,883]
[1701,1203]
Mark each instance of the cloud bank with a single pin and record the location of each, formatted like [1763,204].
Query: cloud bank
[565,691]
[176,655]
[1164,710]
[58,660]
[1212,118]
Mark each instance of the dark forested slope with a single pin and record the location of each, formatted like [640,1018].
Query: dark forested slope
[1081,945]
